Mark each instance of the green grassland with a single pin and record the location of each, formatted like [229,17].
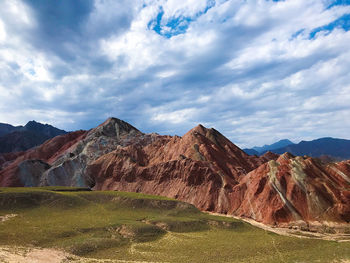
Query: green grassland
[138,227]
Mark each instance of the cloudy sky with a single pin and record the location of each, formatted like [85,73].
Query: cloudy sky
[257,71]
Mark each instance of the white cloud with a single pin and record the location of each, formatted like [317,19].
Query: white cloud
[249,68]
[2,32]
[18,10]
[174,8]
[175,117]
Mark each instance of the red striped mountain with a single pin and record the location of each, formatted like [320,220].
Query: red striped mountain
[296,189]
[202,167]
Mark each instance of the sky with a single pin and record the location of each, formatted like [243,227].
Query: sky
[257,71]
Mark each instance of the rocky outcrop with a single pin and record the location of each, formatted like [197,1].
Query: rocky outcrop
[69,168]
[49,152]
[68,155]
[294,189]
[203,168]
[30,172]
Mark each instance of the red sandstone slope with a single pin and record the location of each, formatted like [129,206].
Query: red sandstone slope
[202,167]
[294,189]
[207,170]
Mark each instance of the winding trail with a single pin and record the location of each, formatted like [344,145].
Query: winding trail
[291,232]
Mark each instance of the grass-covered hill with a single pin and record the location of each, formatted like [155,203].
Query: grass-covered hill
[137,227]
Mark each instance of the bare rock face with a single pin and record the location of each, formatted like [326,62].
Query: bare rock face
[8,157]
[207,170]
[200,168]
[12,175]
[30,172]
[269,156]
[294,189]
[69,169]
[203,168]
[68,155]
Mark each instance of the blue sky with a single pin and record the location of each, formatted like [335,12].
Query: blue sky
[258,71]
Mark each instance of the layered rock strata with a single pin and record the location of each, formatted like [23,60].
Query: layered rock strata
[203,168]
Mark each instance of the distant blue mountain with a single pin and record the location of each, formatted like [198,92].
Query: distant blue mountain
[251,151]
[21,138]
[7,128]
[260,150]
[338,148]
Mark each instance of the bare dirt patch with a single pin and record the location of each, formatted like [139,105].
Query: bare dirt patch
[7,217]
[10,254]
[34,255]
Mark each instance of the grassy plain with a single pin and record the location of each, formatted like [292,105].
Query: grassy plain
[137,227]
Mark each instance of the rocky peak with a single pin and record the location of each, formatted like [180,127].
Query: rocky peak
[45,129]
[199,129]
[32,124]
[285,157]
[113,127]
[210,133]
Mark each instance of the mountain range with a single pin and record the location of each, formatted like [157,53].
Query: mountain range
[270,147]
[202,167]
[326,148]
[21,138]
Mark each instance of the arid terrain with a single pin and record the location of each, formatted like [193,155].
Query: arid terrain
[202,168]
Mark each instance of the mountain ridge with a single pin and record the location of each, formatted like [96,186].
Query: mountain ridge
[276,145]
[21,138]
[202,167]
[326,146]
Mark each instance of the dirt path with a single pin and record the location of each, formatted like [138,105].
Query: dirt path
[292,232]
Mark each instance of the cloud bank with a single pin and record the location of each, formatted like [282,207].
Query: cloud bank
[258,71]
